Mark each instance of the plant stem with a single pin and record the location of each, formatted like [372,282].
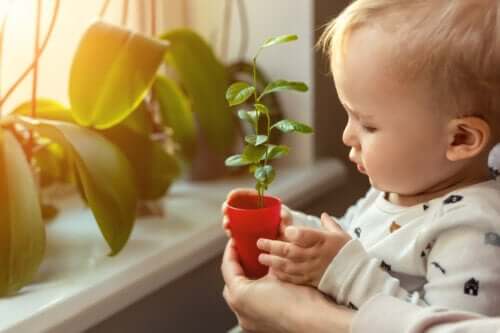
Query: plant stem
[2,31]
[31,141]
[104,7]
[260,189]
[124,13]
[31,66]
[225,29]
[244,29]
[153,18]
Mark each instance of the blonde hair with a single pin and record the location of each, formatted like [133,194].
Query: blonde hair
[452,45]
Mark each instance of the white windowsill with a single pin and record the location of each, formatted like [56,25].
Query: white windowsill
[79,285]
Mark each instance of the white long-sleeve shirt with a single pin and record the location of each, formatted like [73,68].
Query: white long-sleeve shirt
[390,315]
[444,252]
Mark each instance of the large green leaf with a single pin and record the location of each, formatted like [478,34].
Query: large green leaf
[105,173]
[50,158]
[22,231]
[155,169]
[177,114]
[111,73]
[140,120]
[45,108]
[205,80]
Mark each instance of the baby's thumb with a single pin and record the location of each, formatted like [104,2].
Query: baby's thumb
[286,216]
[329,223]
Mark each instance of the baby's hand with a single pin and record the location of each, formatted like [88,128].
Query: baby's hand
[304,254]
[286,216]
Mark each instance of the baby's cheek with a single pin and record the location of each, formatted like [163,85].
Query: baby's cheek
[386,170]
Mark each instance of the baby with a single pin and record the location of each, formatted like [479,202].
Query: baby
[420,82]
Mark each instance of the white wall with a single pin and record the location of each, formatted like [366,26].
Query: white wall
[74,17]
[294,61]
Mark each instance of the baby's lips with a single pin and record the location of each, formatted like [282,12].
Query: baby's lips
[361,168]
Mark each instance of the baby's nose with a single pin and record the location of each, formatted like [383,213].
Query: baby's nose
[349,136]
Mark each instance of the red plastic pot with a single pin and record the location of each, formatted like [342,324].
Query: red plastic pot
[248,223]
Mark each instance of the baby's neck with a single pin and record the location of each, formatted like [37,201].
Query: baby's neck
[440,189]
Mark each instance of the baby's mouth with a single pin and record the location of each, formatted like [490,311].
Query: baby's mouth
[361,168]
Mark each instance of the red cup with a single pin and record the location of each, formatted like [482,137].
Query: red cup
[248,223]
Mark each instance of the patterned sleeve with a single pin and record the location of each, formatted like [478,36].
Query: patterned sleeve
[463,272]
[390,315]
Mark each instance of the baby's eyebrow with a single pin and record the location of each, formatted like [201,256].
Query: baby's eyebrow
[356,113]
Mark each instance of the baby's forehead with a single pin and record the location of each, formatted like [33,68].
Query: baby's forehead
[449,47]
[370,55]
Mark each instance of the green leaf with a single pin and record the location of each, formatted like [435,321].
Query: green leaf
[236,161]
[254,153]
[105,174]
[265,174]
[45,108]
[22,231]
[177,114]
[54,165]
[239,92]
[139,120]
[279,40]
[249,116]
[154,168]
[261,108]
[256,140]
[275,152]
[287,126]
[280,85]
[111,73]
[205,81]
[260,187]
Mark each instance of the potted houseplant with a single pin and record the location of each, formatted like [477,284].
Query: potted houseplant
[258,216]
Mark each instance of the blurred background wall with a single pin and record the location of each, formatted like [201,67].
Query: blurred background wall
[194,302]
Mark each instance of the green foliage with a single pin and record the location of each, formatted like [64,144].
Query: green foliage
[154,168]
[105,175]
[111,73]
[114,141]
[205,80]
[258,150]
[22,231]
[176,113]
[239,92]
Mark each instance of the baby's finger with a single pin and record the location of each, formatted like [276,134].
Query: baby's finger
[225,225]
[282,249]
[329,223]
[286,216]
[295,279]
[223,208]
[279,264]
[303,237]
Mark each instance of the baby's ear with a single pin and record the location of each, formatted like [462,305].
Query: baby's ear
[468,137]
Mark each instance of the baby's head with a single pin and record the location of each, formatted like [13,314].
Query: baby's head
[420,81]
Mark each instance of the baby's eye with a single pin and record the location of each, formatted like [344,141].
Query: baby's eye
[369,129]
